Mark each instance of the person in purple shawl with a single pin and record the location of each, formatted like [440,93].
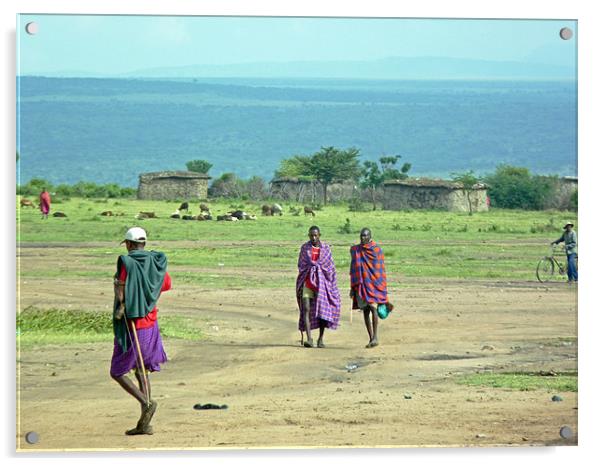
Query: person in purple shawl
[318,295]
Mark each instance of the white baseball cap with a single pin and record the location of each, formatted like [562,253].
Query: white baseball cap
[135,234]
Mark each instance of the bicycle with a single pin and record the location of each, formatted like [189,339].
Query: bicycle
[548,266]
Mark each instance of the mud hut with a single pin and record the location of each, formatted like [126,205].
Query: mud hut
[173,185]
[420,193]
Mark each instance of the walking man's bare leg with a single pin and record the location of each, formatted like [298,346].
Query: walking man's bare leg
[306,310]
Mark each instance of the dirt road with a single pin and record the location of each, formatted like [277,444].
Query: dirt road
[402,393]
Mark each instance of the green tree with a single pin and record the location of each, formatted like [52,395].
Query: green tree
[373,176]
[331,165]
[34,187]
[515,188]
[295,167]
[389,170]
[199,166]
[467,180]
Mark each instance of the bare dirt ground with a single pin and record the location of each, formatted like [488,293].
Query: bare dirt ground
[403,393]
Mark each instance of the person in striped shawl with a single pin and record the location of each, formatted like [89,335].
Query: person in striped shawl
[368,282]
[318,295]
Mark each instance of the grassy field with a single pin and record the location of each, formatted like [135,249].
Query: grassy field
[60,326]
[500,244]
[564,382]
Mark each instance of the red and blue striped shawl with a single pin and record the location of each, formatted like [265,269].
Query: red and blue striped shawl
[368,274]
[322,274]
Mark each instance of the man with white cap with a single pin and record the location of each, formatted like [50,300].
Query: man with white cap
[140,278]
[569,238]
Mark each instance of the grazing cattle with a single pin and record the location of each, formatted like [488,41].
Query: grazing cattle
[226,218]
[27,203]
[239,214]
[59,214]
[184,206]
[204,208]
[309,210]
[276,209]
[266,210]
[143,215]
[242,215]
[107,213]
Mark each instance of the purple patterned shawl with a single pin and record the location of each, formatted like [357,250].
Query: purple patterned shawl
[322,274]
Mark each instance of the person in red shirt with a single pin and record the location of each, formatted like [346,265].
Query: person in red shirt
[44,203]
[140,278]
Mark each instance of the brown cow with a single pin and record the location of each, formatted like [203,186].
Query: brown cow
[27,203]
[266,210]
[309,210]
[143,215]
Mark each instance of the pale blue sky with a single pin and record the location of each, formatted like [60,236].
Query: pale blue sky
[120,44]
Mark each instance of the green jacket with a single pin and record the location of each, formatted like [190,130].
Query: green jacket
[145,273]
[569,238]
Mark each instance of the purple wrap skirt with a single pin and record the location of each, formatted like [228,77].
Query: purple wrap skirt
[151,347]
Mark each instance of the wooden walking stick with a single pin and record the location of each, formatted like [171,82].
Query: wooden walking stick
[139,353]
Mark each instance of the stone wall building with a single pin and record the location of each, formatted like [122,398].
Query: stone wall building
[173,185]
[433,194]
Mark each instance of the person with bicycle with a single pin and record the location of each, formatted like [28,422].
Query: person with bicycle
[569,238]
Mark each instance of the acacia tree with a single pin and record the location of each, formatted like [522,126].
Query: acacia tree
[467,180]
[199,166]
[329,165]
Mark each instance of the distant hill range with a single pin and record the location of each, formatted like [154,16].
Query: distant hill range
[385,68]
